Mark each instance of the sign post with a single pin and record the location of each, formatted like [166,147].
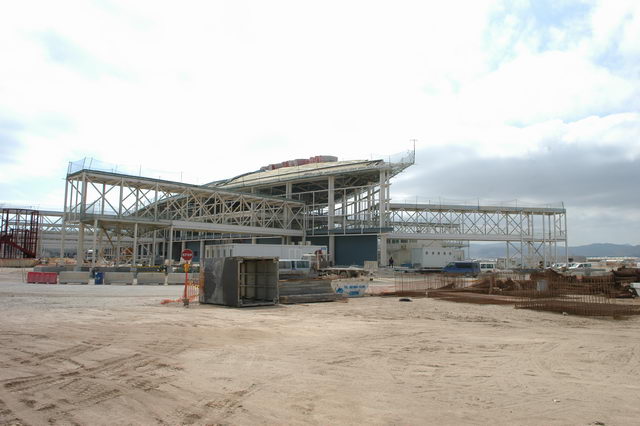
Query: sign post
[187,255]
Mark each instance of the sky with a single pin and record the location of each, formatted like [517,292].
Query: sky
[535,101]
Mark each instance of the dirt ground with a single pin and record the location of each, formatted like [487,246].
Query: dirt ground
[94,355]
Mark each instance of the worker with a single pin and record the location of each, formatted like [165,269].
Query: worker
[391,261]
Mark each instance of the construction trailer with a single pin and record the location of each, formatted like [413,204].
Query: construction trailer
[291,251]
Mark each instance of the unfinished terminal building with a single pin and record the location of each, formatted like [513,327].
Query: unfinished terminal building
[124,218]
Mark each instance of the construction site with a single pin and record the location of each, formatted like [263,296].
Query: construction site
[304,293]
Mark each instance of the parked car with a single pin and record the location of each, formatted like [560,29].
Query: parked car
[290,268]
[466,268]
[579,266]
[487,266]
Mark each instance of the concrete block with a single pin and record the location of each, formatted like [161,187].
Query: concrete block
[66,277]
[150,278]
[175,278]
[118,277]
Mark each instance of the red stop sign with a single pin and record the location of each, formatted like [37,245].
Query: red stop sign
[187,254]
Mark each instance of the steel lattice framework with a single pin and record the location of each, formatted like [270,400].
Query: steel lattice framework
[19,233]
[531,233]
[133,207]
[111,197]
[141,217]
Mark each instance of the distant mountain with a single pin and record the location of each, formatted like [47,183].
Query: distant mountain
[590,250]
[605,249]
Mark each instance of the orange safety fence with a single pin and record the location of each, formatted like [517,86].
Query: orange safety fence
[190,291]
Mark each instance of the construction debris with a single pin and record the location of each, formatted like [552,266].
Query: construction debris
[307,291]
[548,291]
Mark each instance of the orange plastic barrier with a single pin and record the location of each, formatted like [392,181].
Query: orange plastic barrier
[191,292]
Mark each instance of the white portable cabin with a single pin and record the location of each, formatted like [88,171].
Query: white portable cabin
[262,250]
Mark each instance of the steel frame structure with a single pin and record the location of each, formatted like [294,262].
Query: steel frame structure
[138,209]
[19,230]
[341,198]
[126,217]
[531,234]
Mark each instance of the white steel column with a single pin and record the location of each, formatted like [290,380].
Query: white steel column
[80,251]
[170,251]
[382,203]
[555,239]
[369,215]
[134,261]
[101,234]
[201,254]
[383,251]
[287,217]
[83,206]
[544,243]
[154,249]
[118,246]
[95,239]
[254,217]
[566,240]
[62,236]
[331,219]
[521,243]
[64,218]
[344,210]
[382,209]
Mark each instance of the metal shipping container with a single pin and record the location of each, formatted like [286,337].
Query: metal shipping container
[240,281]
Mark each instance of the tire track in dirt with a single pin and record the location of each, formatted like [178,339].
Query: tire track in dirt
[131,375]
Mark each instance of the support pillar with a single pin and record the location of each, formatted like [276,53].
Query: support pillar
[331,218]
[382,203]
[566,240]
[521,243]
[95,240]
[64,218]
[134,261]
[62,237]
[154,249]
[118,247]
[170,251]
[201,253]
[80,249]
[544,243]
[332,249]
[287,214]
[384,258]
[507,265]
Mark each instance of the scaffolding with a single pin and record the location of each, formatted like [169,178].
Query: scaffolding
[19,233]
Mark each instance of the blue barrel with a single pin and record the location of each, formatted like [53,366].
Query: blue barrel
[99,277]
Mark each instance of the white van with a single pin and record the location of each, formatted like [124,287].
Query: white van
[289,268]
[580,268]
[487,266]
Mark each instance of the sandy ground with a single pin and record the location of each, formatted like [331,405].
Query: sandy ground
[95,355]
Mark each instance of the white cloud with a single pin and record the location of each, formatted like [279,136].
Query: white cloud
[214,89]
